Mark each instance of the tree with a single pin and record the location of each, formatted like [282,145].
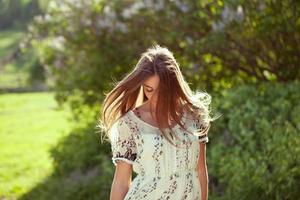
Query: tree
[218,44]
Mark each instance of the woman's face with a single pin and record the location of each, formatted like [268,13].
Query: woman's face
[150,86]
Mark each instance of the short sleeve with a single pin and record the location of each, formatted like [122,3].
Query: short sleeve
[201,129]
[123,145]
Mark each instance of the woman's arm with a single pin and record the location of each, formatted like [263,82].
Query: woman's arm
[121,181]
[202,171]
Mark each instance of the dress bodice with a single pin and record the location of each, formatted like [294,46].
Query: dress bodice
[153,158]
[142,145]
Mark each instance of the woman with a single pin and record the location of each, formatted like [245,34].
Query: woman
[157,128]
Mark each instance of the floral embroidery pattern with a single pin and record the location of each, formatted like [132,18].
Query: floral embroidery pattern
[157,153]
[163,171]
[172,187]
[201,126]
[123,144]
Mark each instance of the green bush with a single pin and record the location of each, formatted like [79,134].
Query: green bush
[86,44]
[254,151]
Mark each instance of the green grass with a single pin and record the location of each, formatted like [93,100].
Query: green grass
[30,125]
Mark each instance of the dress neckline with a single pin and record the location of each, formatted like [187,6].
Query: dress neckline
[154,127]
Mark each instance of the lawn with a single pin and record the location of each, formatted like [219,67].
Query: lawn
[30,125]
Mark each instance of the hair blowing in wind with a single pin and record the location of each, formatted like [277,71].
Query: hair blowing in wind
[174,94]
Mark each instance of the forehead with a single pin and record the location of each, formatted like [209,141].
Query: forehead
[152,81]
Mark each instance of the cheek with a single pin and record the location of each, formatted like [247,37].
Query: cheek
[150,94]
[147,94]
[153,95]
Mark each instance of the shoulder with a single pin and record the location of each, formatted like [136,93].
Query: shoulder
[120,128]
[122,121]
[198,119]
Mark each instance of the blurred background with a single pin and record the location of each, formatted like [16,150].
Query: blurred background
[58,57]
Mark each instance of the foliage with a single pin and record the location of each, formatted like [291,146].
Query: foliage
[218,44]
[19,69]
[254,149]
[15,13]
[10,72]
[8,42]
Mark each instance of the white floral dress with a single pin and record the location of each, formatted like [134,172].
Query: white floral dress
[163,170]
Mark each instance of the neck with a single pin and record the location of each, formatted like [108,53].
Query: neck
[152,104]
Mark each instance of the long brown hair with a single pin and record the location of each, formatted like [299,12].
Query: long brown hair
[174,93]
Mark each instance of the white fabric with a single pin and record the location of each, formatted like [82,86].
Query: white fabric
[163,170]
